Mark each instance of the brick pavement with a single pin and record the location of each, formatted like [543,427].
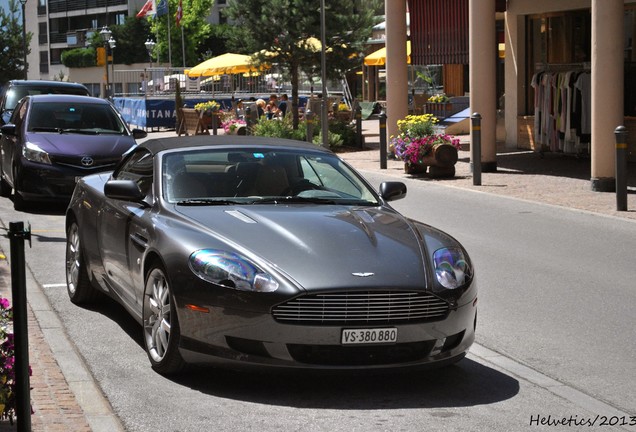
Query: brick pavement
[553,179]
[54,404]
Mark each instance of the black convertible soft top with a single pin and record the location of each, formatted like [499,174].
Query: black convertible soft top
[160,144]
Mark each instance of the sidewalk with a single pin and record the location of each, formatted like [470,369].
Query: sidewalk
[554,179]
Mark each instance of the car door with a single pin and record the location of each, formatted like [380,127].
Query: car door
[11,145]
[124,229]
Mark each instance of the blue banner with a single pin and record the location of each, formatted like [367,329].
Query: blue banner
[161,113]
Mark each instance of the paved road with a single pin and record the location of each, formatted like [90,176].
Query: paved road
[553,336]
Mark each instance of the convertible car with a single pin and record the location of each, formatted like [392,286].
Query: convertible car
[260,252]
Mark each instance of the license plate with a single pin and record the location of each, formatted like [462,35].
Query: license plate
[369,336]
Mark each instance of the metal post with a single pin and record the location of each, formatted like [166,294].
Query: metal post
[24,39]
[324,115]
[215,122]
[475,148]
[383,149]
[248,120]
[17,235]
[358,115]
[621,168]
[309,116]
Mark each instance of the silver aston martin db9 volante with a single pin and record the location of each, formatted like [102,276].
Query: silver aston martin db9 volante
[267,252]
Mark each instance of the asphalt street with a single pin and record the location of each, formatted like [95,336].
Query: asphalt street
[555,301]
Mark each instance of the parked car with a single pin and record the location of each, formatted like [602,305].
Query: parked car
[15,90]
[51,140]
[262,252]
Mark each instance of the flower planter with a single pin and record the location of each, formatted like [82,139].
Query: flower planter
[440,110]
[440,162]
[414,169]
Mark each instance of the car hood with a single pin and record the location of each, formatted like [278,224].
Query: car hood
[76,144]
[324,246]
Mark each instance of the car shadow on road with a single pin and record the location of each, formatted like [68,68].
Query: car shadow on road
[466,383]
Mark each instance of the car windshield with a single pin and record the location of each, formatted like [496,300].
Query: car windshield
[260,176]
[74,117]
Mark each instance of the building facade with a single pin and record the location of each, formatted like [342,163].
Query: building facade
[567,78]
[58,25]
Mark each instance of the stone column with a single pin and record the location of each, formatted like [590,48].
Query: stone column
[607,89]
[482,76]
[396,68]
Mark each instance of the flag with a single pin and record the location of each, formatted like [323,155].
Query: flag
[179,14]
[149,8]
[162,7]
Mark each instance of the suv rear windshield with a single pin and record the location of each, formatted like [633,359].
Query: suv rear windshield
[15,93]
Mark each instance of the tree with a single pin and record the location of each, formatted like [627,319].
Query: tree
[196,29]
[282,30]
[11,44]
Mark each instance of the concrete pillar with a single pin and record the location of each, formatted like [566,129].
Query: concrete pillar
[482,76]
[397,86]
[607,89]
[515,86]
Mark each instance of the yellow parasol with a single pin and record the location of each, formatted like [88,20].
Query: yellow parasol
[228,63]
[378,58]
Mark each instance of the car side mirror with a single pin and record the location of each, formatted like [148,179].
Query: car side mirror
[126,190]
[391,191]
[139,133]
[8,129]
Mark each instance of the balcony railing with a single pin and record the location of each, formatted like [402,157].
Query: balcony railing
[66,6]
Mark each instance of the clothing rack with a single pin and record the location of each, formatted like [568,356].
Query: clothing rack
[562,107]
[563,67]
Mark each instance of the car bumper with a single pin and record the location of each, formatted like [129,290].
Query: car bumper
[47,182]
[247,339]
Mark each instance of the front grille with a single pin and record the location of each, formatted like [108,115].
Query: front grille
[100,163]
[368,307]
[336,355]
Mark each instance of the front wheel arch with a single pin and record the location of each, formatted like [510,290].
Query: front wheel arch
[161,331]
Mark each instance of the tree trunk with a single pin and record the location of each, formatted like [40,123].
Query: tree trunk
[294,98]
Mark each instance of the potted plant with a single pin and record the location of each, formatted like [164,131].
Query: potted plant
[234,126]
[206,110]
[419,146]
[439,105]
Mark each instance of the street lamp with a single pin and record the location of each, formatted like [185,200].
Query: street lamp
[105,33]
[24,38]
[112,43]
[150,46]
[324,121]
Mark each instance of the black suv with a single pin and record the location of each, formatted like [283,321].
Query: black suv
[15,90]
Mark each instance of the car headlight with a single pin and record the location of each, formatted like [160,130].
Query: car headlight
[35,154]
[452,269]
[231,270]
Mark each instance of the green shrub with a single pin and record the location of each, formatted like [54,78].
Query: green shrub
[79,57]
[346,132]
[279,129]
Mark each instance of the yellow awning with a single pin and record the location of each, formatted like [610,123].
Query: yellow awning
[378,58]
[228,63]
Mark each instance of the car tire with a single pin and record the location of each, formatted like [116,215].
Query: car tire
[161,324]
[78,285]
[5,187]
[19,203]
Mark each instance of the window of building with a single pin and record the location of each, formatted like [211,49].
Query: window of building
[43,34]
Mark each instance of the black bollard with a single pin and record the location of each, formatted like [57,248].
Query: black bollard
[358,115]
[621,168]
[475,148]
[309,117]
[383,149]
[215,122]
[17,235]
